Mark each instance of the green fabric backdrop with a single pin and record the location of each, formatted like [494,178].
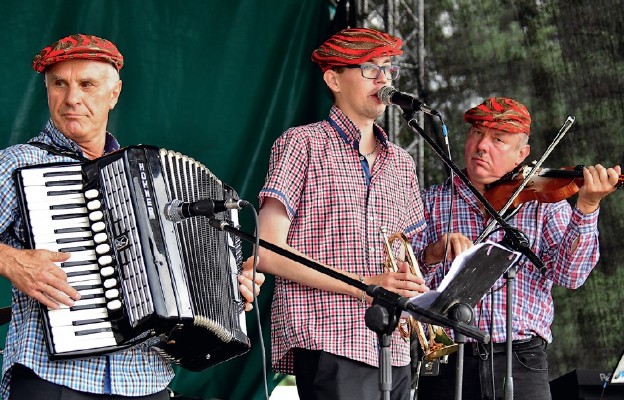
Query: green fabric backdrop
[215,80]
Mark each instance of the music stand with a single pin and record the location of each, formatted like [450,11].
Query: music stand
[381,317]
[470,277]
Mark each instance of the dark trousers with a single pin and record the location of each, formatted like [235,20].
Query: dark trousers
[325,376]
[529,373]
[26,385]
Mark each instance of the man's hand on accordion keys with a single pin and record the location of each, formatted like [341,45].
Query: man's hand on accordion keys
[34,273]
[247,287]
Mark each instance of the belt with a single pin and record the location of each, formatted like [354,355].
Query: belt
[480,349]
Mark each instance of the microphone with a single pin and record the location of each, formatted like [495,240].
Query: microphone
[177,210]
[389,95]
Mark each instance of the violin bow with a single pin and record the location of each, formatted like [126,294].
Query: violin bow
[562,131]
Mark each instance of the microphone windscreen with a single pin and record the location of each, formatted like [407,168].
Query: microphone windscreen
[385,94]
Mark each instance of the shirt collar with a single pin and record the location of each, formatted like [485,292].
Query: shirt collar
[350,132]
[111,144]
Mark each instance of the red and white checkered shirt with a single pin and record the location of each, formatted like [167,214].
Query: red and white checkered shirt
[336,208]
[551,230]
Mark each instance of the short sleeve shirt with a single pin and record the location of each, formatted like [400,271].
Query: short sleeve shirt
[337,205]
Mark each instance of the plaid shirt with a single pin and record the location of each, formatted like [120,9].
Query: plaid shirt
[551,230]
[336,206]
[134,372]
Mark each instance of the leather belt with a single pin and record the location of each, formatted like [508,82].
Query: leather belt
[480,349]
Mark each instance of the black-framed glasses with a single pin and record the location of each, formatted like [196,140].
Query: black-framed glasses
[372,71]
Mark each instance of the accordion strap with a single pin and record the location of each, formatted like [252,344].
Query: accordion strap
[59,152]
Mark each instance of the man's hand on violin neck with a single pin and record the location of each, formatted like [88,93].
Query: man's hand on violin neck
[598,183]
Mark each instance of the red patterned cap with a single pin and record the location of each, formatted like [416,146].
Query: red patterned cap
[78,46]
[501,113]
[356,46]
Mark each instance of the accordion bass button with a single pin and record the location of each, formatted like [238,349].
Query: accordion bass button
[94,205]
[114,305]
[107,271]
[91,194]
[102,248]
[98,226]
[96,216]
[110,283]
[100,237]
[111,293]
[105,260]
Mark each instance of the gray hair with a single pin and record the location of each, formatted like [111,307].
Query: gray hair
[112,78]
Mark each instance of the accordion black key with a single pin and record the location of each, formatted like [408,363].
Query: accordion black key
[140,275]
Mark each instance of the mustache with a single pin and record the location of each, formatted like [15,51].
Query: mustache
[479,154]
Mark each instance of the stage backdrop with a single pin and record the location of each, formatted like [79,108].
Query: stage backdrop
[215,80]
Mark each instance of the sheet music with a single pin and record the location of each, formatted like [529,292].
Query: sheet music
[479,274]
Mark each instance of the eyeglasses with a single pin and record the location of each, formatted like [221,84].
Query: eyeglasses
[372,71]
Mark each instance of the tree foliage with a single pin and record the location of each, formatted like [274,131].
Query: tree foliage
[560,58]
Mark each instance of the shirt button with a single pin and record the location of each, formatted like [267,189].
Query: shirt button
[361,157]
[371,218]
[371,249]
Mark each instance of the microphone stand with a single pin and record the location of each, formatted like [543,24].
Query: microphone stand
[382,317]
[508,385]
[513,240]
[464,313]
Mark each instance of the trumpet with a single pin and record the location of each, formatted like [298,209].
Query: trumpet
[438,344]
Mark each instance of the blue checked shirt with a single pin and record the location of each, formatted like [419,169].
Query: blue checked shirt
[551,229]
[336,205]
[137,371]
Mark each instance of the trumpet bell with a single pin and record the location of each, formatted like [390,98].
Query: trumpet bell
[438,350]
[439,344]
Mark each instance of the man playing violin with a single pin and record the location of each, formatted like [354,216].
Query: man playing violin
[565,238]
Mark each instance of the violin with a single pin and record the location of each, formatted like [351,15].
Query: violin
[547,185]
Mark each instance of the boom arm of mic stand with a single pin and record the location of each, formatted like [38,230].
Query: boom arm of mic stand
[511,236]
[383,296]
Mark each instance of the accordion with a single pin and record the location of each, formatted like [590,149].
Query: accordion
[140,275]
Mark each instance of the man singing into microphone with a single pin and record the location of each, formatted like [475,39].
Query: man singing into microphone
[330,186]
